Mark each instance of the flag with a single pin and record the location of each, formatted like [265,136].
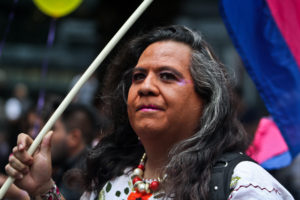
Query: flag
[266,34]
[268,136]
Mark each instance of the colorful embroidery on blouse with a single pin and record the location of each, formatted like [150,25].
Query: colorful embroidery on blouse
[52,194]
[234,181]
[101,195]
[274,190]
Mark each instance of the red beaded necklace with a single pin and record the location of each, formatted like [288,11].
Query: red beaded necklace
[139,183]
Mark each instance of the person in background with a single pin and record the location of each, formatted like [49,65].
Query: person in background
[73,134]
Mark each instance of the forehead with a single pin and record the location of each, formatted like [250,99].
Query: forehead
[166,54]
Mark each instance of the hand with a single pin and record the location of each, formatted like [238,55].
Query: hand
[14,192]
[32,173]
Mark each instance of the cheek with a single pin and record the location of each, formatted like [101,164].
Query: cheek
[57,137]
[130,102]
[195,107]
[178,97]
[54,138]
[129,95]
[187,100]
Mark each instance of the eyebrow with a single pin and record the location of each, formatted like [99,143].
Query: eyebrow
[138,69]
[164,68]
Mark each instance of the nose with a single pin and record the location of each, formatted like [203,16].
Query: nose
[149,86]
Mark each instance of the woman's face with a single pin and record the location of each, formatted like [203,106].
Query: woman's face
[162,101]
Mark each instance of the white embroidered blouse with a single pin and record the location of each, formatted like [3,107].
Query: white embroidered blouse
[249,182]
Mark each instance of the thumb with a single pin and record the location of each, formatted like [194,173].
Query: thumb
[46,143]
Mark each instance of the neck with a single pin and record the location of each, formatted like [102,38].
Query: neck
[157,156]
[157,146]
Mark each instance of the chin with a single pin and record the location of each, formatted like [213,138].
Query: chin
[149,129]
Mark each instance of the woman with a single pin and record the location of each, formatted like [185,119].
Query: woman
[168,97]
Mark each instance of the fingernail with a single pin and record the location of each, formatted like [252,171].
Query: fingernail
[20,146]
[20,176]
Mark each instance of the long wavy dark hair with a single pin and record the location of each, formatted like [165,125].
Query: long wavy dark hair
[190,161]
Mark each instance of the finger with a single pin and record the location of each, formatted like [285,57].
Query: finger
[24,141]
[14,150]
[46,143]
[23,156]
[12,172]
[16,164]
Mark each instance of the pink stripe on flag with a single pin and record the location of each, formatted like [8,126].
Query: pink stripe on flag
[268,142]
[287,17]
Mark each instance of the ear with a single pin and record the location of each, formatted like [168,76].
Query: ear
[75,139]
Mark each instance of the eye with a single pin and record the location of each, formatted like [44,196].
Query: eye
[138,76]
[168,76]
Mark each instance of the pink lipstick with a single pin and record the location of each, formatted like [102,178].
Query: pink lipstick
[148,107]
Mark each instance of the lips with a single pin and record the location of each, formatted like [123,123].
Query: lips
[148,107]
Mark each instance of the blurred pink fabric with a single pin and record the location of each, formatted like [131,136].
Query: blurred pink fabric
[268,141]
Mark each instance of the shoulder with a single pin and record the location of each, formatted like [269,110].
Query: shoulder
[251,181]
